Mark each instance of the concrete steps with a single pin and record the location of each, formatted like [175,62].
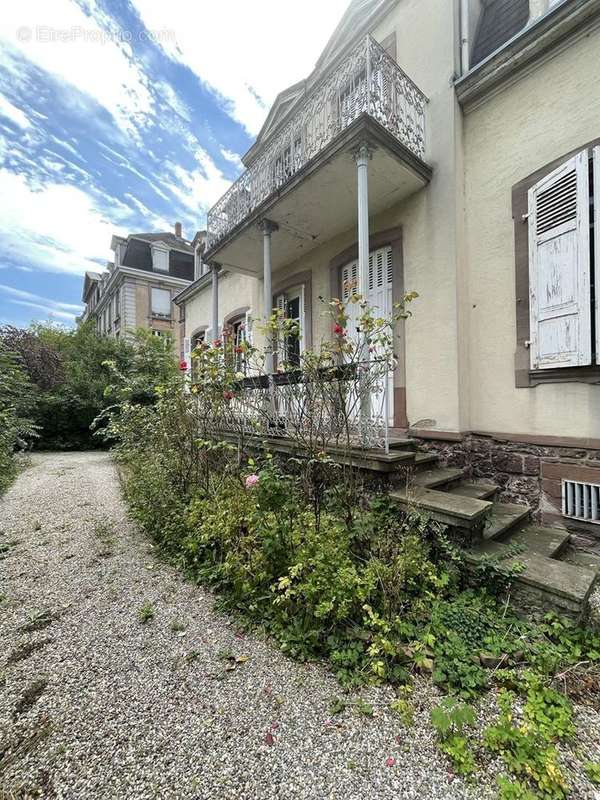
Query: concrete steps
[451,509]
[545,582]
[547,542]
[502,518]
[438,477]
[480,491]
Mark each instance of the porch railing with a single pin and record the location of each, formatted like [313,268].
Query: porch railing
[339,407]
[367,81]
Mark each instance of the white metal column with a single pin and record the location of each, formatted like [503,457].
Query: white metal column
[267,227]
[215,300]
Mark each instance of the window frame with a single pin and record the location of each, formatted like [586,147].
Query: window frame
[157,314]
[525,377]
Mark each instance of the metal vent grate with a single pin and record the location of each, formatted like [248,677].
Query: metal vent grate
[581,501]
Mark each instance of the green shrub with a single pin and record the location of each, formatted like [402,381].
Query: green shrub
[17,407]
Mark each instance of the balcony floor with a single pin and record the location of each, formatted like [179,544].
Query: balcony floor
[320,200]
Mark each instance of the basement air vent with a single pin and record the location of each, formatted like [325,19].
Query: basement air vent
[581,501]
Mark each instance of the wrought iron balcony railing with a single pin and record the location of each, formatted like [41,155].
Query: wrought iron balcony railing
[367,81]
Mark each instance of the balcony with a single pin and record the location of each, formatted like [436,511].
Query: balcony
[305,177]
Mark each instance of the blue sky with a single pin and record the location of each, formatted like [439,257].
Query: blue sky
[128,115]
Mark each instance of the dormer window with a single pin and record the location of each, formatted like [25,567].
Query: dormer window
[160,258]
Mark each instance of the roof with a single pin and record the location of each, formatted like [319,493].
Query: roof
[359,17]
[500,20]
[138,255]
[168,238]
[89,280]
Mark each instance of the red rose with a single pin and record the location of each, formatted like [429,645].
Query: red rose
[183,365]
[338,330]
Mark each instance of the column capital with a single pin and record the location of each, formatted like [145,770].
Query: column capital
[267,226]
[363,153]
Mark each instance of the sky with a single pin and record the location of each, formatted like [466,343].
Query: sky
[119,116]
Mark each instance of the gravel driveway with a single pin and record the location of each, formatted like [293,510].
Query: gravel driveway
[96,704]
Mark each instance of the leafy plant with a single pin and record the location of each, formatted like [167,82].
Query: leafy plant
[451,719]
[528,749]
[146,612]
[592,770]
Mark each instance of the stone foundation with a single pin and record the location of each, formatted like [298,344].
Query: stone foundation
[529,474]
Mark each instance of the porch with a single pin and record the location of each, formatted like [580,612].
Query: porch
[350,148]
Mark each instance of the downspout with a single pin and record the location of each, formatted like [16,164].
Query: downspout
[465,43]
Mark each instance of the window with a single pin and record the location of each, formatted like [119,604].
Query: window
[160,258]
[234,335]
[561,266]
[291,306]
[161,303]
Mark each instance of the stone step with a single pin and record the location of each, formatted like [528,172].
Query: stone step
[480,491]
[400,443]
[548,542]
[451,509]
[544,582]
[502,518]
[580,558]
[437,477]
[424,459]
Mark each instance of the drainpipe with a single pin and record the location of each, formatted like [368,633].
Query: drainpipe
[465,43]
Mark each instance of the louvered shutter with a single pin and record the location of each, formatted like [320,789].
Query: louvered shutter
[596,185]
[248,327]
[559,267]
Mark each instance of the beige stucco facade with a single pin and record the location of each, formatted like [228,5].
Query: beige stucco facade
[457,366]
[237,295]
[544,115]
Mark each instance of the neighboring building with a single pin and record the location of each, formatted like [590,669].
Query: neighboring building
[137,289]
[476,124]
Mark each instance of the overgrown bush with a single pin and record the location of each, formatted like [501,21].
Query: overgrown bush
[17,407]
[70,376]
[295,546]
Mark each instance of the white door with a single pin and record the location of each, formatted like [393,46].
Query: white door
[379,298]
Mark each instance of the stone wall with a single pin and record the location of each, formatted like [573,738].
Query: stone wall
[526,473]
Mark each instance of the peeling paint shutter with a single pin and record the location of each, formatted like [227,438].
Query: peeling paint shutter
[559,267]
[596,185]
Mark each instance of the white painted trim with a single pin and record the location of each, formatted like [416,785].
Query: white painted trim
[596,190]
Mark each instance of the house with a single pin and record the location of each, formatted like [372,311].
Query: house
[452,149]
[137,289]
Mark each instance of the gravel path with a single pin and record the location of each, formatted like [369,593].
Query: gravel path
[97,705]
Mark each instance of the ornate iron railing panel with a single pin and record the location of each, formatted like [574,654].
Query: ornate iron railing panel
[340,406]
[367,81]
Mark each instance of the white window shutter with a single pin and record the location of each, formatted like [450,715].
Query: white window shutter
[596,185]
[248,327]
[559,267]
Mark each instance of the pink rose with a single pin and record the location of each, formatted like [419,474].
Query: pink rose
[251,481]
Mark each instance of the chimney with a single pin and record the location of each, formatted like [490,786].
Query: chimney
[178,229]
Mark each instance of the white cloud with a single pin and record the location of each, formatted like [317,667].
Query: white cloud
[58,228]
[14,114]
[63,40]
[200,188]
[52,308]
[48,310]
[247,52]
[232,157]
